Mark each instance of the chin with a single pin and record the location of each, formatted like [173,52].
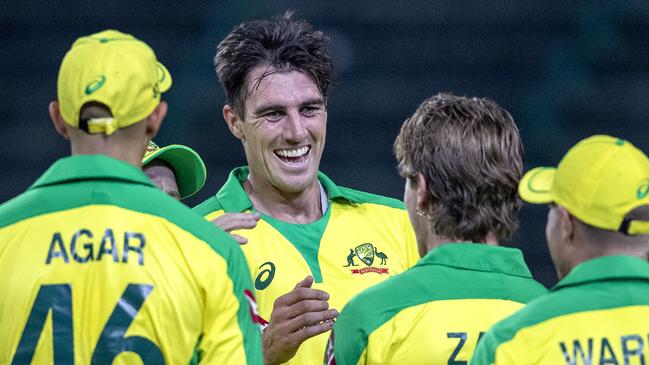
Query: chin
[296,184]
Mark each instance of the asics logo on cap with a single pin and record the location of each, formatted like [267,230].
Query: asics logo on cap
[95,84]
[643,189]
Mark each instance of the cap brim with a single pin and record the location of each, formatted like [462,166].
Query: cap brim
[164,81]
[536,185]
[187,165]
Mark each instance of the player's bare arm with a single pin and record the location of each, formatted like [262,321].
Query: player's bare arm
[297,316]
[235,221]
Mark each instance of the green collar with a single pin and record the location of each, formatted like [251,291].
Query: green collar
[479,257]
[233,198]
[90,167]
[606,268]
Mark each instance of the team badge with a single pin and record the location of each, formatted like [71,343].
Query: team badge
[367,253]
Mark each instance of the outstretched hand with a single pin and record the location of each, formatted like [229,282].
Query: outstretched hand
[234,221]
[297,316]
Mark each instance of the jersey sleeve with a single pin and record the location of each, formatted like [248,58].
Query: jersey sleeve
[348,339]
[230,334]
[485,350]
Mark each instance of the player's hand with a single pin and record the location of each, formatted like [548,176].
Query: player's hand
[234,221]
[297,316]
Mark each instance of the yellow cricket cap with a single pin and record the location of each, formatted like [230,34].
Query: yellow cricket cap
[188,166]
[116,70]
[599,180]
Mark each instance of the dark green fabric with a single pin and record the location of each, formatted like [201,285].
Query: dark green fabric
[303,236]
[451,271]
[607,282]
[83,180]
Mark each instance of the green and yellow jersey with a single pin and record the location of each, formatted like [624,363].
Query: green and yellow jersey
[598,314]
[436,312]
[99,266]
[361,240]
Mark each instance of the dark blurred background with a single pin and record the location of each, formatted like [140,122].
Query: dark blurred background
[564,69]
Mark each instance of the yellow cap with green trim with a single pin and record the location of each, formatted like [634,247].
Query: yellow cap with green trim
[599,180]
[116,70]
[187,165]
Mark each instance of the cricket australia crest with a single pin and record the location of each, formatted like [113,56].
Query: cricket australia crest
[366,253]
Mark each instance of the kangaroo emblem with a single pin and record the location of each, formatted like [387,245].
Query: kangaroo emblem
[382,256]
[350,258]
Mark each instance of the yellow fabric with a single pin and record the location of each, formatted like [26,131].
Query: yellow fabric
[188,278]
[431,333]
[389,231]
[114,69]
[609,336]
[599,180]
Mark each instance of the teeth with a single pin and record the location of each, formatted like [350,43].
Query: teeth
[293,153]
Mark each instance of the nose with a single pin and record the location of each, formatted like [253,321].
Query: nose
[294,129]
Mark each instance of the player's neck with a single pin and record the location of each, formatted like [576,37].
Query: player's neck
[302,207]
[435,241]
[128,155]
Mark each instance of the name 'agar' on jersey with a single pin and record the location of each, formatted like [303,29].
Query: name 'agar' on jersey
[85,246]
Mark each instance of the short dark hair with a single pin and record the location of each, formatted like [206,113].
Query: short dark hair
[283,44]
[469,151]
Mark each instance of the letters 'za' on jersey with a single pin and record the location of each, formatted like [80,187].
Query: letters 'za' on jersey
[99,266]
[361,240]
[598,314]
[436,312]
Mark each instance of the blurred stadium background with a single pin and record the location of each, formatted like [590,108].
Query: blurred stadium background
[564,69]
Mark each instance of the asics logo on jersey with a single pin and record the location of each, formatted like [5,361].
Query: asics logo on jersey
[95,84]
[265,276]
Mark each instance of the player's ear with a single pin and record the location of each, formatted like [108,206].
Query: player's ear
[422,193]
[233,122]
[57,120]
[154,121]
[567,224]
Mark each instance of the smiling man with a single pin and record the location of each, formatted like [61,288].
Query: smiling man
[312,244]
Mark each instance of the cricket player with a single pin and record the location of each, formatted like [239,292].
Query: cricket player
[314,243]
[462,160]
[598,236]
[97,265]
[175,169]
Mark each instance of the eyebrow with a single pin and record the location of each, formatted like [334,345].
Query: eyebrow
[263,108]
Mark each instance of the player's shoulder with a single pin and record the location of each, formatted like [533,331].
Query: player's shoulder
[192,222]
[18,208]
[549,306]
[209,205]
[371,309]
[362,197]
[146,200]
[379,303]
